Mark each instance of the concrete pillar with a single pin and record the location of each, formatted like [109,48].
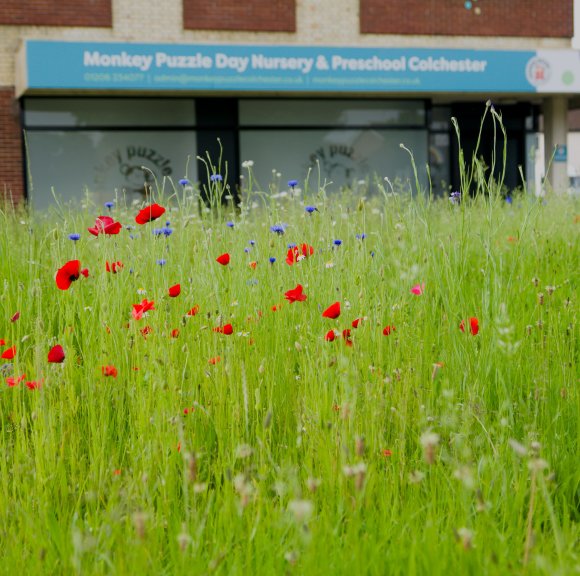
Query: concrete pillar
[555,109]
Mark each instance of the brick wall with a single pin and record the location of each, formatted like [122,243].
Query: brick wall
[250,15]
[530,18]
[11,160]
[56,12]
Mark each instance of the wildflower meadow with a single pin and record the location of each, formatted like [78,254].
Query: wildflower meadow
[304,381]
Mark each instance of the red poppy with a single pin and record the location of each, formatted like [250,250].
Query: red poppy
[387,453]
[2,342]
[9,353]
[140,309]
[105,225]
[146,331]
[330,336]
[356,322]
[175,290]
[227,329]
[346,336]
[175,333]
[15,317]
[253,265]
[149,213]
[33,385]
[12,381]
[56,354]
[109,371]
[473,326]
[224,259]
[85,272]
[333,311]
[193,311]
[66,275]
[297,253]
[388,329]
[214,360]
[296,294]
[114,267]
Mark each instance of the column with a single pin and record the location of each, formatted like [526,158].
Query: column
[555,110]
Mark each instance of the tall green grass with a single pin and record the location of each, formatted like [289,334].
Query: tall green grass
[428,451]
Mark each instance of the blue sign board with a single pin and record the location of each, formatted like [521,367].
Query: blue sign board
[245,68]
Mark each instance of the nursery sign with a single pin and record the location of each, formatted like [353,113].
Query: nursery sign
[46,65]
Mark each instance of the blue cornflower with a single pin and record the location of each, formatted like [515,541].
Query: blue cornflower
[361,236]
[337,242]
[272,259]
[372,254]
[247,250]
[230,224]
[455,197]
[161,262]
[74,237]
[508,199]
[184,181]
[109,205]
[310,209]
[278,228]
[157,231]
[292,183]
[252,242]
[291,245]
[216,177]
[167,231]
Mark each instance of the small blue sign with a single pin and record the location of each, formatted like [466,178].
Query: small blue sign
[561,153]
[245,68]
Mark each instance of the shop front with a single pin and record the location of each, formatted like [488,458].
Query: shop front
[109,119]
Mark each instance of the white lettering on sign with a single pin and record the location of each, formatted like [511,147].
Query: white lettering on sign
[194,61]
[442,64]
[123,60]
[237,63]
[261,62]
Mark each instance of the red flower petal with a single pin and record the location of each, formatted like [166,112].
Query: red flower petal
[149,213]
[114,267]
[295,295]
[194,310]
[388,329]
[66,275]
[56,354]
[330,336]
[12,381]
[473,326]
[224,259]
[9,353]
[15,317]
[356,322]
[105,225]
[333,311]
[34,385]
[109,371]
[214,360]
[175,290]
[227,329]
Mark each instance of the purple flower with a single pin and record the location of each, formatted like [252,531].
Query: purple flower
[278,229]
[216,177]
[184,181]
[292,183]
[161,262]
[361,236]
[109,205]
[230,224]
[455,197]
[310,209]
[74,237]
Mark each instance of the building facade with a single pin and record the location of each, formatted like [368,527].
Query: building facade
[103,96]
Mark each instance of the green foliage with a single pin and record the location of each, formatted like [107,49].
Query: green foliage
[428,451]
